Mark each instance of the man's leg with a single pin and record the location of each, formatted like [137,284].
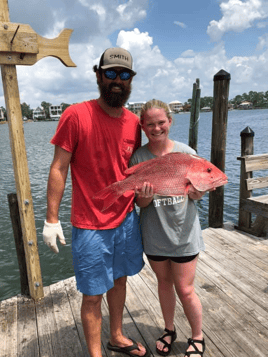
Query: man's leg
[116,299]
[91,320]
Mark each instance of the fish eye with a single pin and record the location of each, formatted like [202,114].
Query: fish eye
[209,169]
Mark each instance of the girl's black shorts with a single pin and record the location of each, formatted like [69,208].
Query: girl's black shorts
[160,258]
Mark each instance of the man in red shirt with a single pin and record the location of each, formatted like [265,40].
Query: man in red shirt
[96,139]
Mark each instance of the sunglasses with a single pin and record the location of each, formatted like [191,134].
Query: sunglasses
[112,74]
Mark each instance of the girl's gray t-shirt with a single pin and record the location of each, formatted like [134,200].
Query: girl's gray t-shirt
[170,225]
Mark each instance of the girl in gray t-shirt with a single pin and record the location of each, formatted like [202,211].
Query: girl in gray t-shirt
[171,233]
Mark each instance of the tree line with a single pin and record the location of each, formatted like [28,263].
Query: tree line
[258,100]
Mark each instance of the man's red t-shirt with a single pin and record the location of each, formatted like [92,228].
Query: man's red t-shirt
[101,147]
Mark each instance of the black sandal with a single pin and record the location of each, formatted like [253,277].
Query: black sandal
[173,335]
[192,342]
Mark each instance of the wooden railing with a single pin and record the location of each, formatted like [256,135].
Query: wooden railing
[249,204]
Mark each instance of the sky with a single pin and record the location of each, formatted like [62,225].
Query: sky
[172,43]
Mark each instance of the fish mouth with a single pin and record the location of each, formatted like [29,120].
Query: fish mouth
[220,182]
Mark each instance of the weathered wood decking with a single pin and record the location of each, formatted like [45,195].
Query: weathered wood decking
[232,283]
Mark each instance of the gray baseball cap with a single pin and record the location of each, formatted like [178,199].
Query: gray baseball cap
[116,57]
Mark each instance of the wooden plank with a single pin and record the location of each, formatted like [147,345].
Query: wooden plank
[22,180]
[47,327]
[256,205]
[257,182]
[261,199]
[256,162]
[24,41]
[251,248]
[8,327]
[227,323]
[231,295]
[27,330]
[56,47]
[68,340]
[250,241]
[224,267]
[246,254]
[246,272]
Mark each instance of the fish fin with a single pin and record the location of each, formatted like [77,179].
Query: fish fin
[107,196]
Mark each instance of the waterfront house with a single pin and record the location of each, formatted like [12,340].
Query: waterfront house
[55,112]
[206,109]
[245,105]
[176,106]
[2,116]
[135,107]
[39,114]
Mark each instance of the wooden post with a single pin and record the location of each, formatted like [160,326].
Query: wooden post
[218,143]
[16,225]
[195,112]
[20,45]
[17,143]
[247,148]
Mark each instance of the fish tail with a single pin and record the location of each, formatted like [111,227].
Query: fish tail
[106,197]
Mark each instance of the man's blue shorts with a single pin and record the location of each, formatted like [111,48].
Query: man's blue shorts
[102,256]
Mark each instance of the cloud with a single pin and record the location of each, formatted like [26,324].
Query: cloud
[237,16]
[181,24]
[157,76]
[262,25]
[188,53]
[88,18]
[93,21]
[263,42]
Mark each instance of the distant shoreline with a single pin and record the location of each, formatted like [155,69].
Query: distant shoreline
[181,112]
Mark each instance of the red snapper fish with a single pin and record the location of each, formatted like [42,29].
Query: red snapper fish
[174,174]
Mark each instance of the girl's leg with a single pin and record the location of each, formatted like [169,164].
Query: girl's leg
[183,276]
[166,295]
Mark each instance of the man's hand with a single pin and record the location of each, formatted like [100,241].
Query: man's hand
[50,233]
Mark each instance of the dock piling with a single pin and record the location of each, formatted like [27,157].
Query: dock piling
[195,112]
[218,143]
[17,231]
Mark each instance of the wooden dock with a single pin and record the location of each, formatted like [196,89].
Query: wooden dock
[232,283]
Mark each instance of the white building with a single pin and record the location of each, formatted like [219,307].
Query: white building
[55,111]
[176,106]
[135,107]
[2,117]
[39,114]
[245,105]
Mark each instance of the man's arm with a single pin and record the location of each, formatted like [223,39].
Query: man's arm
[55,189]
[56,182]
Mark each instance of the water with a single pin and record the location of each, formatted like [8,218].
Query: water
[40,153]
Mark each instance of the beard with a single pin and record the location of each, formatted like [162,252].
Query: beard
[114,100]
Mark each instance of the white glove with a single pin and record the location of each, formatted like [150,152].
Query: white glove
[50,233]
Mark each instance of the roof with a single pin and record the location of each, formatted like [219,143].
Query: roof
[175,102]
